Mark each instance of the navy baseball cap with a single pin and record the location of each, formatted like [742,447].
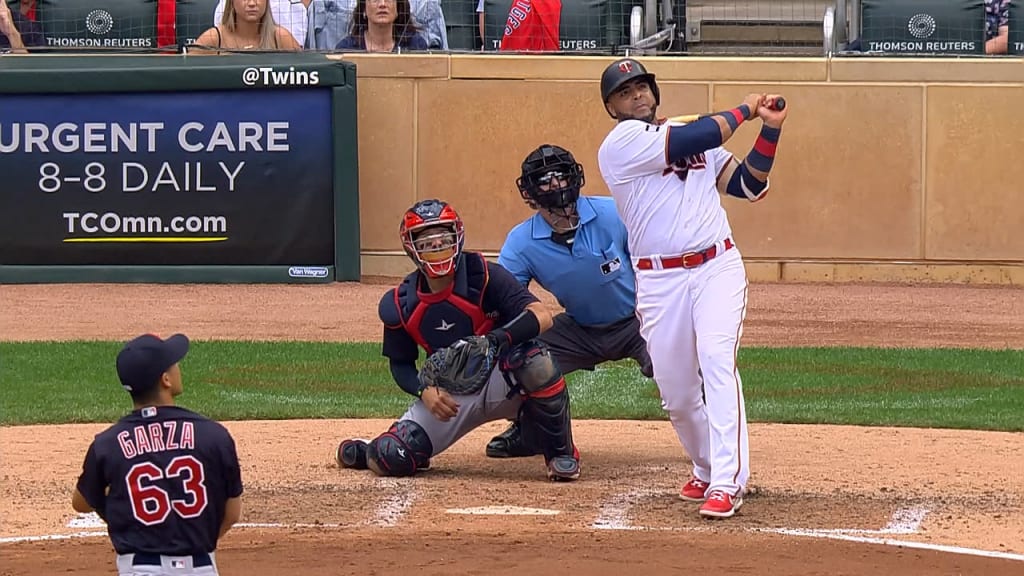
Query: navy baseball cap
[144,359]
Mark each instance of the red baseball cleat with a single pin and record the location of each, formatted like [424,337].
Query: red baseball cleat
[720,504]
[694,490]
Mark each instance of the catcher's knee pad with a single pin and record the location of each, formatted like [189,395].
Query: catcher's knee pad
[401,451]
[545,413]
[532,367]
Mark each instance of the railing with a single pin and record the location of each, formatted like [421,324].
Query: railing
[642,27]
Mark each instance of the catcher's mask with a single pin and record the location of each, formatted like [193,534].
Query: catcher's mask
[432,235]
[551,179]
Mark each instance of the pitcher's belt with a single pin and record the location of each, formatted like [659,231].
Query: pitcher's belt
[144,559]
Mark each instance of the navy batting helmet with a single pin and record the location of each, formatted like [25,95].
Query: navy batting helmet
[551,178]
[621,71]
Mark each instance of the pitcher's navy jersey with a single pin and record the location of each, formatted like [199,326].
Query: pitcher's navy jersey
[483,295]
[169,472]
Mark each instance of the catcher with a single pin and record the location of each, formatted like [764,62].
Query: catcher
[479,328]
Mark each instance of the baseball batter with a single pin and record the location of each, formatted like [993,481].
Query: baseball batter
[454,295]
[165,480]
[575,247]
[666,179]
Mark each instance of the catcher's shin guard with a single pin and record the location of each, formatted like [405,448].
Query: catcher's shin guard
[547,413]
[545,418]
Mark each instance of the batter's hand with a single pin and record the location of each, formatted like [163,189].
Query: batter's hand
[440,403]
[754,101]
[772,118]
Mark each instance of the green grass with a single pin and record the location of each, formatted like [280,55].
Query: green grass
[76,382]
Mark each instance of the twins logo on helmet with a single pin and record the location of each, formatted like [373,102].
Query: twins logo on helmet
[625,70]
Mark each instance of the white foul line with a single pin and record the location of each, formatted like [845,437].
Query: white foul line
[615,516]
[898,543]
[14,539]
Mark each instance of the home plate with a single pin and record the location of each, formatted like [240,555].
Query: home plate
[503,511]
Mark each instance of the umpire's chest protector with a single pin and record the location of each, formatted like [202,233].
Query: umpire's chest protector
[436,320]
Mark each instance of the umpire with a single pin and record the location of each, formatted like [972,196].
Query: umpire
[576,248]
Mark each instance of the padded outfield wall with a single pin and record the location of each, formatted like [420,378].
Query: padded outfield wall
[889,168]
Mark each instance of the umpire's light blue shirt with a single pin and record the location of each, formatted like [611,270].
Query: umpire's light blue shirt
[594,282]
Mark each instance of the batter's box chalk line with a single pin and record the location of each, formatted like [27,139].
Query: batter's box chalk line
[614,513]
[398,498]
[87,520]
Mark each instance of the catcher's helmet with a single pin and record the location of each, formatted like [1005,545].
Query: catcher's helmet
[621,71]
[423,249]
[551,178]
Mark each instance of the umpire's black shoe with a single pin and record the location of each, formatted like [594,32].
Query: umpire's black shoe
[510,444]
[352,453]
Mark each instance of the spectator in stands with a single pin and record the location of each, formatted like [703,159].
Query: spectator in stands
[290,14]
[18,32]
[383,26]
[28,9]
[246,25]
[330,21]
[997,26]
[531,26]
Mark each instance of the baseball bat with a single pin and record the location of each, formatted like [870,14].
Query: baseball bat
[778,104]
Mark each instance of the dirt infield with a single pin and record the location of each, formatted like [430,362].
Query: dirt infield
[828,500]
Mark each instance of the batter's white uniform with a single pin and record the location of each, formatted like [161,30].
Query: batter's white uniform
[691,318]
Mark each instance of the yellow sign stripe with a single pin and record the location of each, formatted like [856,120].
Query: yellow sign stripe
[150,239]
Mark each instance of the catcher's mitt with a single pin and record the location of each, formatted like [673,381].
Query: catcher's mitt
[463,367]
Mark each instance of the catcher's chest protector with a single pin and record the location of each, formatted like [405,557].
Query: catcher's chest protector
[437,320]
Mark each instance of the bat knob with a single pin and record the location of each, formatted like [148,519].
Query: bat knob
[777,104]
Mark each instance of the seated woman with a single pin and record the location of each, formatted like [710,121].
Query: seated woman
[246,25]
[383,26]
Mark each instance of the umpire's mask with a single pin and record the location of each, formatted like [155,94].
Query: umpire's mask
[551,179]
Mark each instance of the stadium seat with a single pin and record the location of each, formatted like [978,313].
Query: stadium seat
[754,26]
[192,18]
[462,24]
[923,26]
[1016,43]
[99,24]
[585,25]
